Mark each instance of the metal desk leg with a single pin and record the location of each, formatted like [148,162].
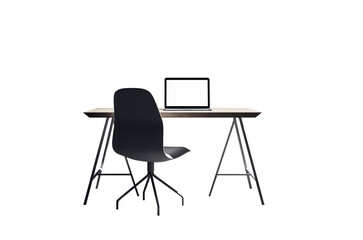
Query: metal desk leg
[253,166]
[96,161]
[242,152]
[132,176]
[99,172]
[104,153]
[220,162]
[248,174]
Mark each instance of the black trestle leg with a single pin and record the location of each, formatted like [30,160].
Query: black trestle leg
[251,161]
[220,162]
[242,153]
[132,176]
[96,161]
[104,152]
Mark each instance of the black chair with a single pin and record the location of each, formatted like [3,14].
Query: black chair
[138,134]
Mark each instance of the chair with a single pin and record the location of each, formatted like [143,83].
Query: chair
[138,134]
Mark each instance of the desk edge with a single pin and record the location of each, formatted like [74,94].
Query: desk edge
[181,115]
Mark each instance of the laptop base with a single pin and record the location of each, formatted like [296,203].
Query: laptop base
[187,109]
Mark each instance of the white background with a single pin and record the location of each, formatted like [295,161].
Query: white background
[298,62]
[187,93]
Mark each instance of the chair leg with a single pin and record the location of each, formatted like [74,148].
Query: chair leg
[130,190]
[160,180]
[156,195]
[150,176]
[143,193]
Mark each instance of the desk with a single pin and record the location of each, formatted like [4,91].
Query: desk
[235,113]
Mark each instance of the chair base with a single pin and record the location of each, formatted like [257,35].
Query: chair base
[150,176]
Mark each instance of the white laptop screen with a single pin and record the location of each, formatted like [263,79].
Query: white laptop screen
[186,93]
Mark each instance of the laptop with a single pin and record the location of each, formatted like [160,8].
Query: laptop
[187,94]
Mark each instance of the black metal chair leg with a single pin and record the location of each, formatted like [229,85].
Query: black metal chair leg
[96,161]
[130,190]
[143,193]
[156,195]
[170,188]
[220,162]
[132,177]
[253,166]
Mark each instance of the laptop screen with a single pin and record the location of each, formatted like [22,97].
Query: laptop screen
[186,92]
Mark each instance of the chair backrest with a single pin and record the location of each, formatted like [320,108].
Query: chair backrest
[138,127]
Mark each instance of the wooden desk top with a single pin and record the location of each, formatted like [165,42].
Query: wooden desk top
[214,112]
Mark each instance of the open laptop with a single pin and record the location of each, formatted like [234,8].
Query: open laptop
[187,94]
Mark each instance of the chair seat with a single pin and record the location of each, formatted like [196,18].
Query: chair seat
[176,152]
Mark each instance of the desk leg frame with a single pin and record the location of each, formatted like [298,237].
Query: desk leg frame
[104,152]
[96,161]
[252,164]
[220,162]
[248,174]
[242,153]
[99,172]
